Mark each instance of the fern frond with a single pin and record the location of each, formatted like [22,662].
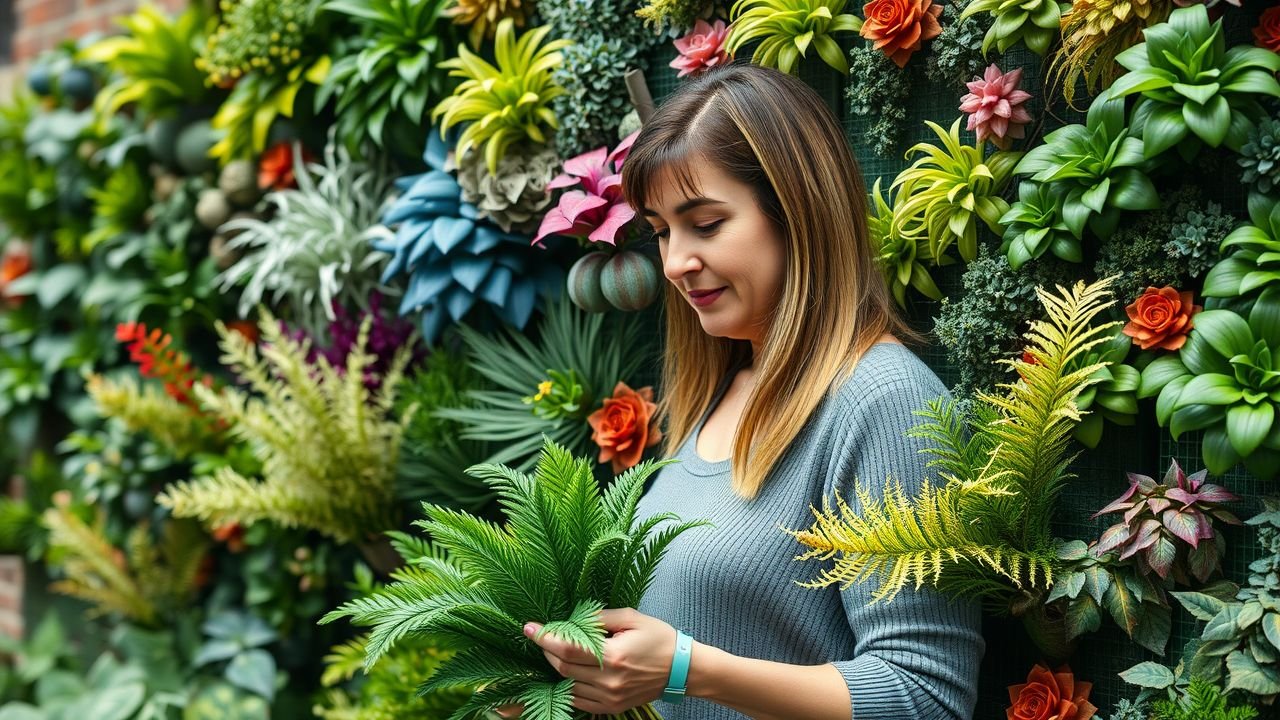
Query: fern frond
[583,628]
[343,661]
[147,409]
[329,458]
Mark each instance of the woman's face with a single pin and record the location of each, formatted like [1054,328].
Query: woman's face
[720,251]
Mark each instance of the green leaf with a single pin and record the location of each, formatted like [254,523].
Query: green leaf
[255,671]
[583,628]
[58,282]
[1150,675]
[1246,674]
[1223,625]
[1209,122]
[1123,606]
[1164,128]
[1082,617]
[1247,425]
[1225,331]
[1211,389]
[1201,606]
[1271,628]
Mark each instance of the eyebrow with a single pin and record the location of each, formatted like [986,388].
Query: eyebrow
[685,206]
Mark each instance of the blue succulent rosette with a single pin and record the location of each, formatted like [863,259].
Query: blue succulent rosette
[454,260]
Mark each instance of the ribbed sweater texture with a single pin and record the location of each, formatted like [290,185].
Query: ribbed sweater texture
[734,586]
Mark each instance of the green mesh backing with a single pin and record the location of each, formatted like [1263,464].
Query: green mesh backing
[1100,473]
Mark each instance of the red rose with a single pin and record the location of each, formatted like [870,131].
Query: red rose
[14,263]
[1268,31]
[1050,696]
[275,167]
[897,27]
[625,426]
[1160,318]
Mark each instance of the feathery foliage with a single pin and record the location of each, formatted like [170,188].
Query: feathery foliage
[566,551]
[985,531]
[142,583]
[327,446]
[603,350]
[147,408]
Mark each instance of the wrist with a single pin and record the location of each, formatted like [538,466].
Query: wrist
[704,670]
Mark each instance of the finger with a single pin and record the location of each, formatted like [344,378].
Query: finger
[567,651]
[596,707]
[578,671]
[616,619]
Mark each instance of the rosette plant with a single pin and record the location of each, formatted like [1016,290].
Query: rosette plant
[901,258]
[595,209]
[788,28]
[1255,264]
[1034,22]
[506,104]
[949,189]
[565,552]
[393,73]
[154,63]
[1097,166]
[1034,225]
[453,260]
[1194,89]
[1169,525]
[984,531]
[1225,382]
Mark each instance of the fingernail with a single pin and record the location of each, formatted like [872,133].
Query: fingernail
[530,629]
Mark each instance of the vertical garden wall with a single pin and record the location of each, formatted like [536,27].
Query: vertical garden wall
[278,275]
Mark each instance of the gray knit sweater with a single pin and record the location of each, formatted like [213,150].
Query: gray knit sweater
[734,586]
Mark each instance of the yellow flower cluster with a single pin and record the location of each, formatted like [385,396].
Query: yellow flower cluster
[261,35]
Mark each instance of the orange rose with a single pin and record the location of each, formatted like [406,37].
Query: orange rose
[1050,696]
[1268,31]
[14,263]
[897,27]
[625,426]
[1160,318]
[275,167]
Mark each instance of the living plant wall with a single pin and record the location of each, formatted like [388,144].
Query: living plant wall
[328,345]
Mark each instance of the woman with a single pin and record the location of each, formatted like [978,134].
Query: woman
[785,380]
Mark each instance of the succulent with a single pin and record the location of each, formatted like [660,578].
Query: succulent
[898,27]
[484,16]
[701,49]
[595,97]
[878,89]
[1224,381]
[314,250]
[1241,638]
[1252,267]
[504,104]
[957,53]
[454,260]
[1035,22]
[597,212]
[1113,396]
[901,258]
[1260,156]
[258,100]
[516,196]
[1034,225]
[1196,234]
[1097,165]
[255,35]
[392,74]
[994,106]
[1157,515]
[788,29]
[949,189]
[1093,33]
[154,64]
[1193,89]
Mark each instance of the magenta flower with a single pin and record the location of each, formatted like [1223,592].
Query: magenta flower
[702,49]
[596,212]
[994,105]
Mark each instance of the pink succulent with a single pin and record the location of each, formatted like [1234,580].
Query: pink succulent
[994,105]
[702,49]
[597,211]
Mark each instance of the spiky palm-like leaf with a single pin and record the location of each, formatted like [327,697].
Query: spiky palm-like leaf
[603,350]
[327,446]
[566,551]
[985,531]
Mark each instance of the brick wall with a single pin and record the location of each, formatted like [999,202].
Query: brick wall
[37,25]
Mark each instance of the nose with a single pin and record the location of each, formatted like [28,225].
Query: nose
[678,258]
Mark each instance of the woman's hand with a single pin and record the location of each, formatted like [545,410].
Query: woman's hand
[637,662]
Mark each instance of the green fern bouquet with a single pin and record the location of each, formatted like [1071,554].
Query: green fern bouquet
[566,552]
[985,532]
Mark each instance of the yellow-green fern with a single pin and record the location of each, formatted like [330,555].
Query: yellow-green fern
[328,446]
[148,409]
[985,531]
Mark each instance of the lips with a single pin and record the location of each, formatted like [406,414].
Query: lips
[703,298]
[703,293]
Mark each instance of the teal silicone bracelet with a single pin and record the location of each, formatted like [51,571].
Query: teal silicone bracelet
[674,692]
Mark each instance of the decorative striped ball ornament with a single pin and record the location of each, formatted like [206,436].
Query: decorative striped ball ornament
[584,282]
[630,281]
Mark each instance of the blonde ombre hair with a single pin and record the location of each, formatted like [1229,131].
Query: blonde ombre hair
[769,131]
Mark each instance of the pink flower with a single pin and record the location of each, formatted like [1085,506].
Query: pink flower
[597,211]
[994,105]
[702,49]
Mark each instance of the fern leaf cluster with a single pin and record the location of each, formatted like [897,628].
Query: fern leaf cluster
[390,691]
[602,349]
[566,551]
[145,408]
[985,531]
[141,584]
[328,446]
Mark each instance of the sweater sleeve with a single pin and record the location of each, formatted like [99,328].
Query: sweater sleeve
[916,656]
